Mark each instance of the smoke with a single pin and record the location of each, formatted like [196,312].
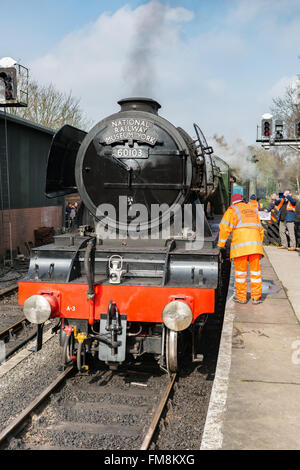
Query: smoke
[140,66]
[156,28]
[237,155]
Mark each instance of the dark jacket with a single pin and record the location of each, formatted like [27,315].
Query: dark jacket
[270,207]
[290,208]
[274,213]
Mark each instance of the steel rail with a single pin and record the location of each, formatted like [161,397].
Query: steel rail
[16,343]
[14,326]
[150,433]
[8,289]
[33,405]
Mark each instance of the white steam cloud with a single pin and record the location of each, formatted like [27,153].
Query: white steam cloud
[237,155]
[155,27]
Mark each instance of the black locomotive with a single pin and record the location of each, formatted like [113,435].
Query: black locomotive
[135,275]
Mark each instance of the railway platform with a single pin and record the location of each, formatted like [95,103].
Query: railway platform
[255,402]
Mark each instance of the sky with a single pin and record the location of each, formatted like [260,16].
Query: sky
[218,63]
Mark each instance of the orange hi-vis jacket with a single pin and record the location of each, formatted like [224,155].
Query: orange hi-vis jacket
[289,207]
[255,204]
[247,232]
[274,213]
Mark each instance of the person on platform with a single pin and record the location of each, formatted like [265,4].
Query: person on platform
[254,202]
[286,206]
[67,214]
[271,206]
[273,209]
[72,215]
[242,220]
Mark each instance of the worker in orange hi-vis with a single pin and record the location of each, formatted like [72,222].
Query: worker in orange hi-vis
[242,220]
[254,202]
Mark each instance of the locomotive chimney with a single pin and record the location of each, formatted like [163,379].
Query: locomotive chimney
[139,104]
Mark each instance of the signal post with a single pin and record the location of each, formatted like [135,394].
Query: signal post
[276,138]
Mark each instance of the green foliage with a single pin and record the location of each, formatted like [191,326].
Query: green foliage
[264,203]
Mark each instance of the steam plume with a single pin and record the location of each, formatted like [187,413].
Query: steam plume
[237,155]
[140,66]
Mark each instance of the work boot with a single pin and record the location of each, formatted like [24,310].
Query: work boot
[291,249]
[281,247]
[235,299]
[256,301]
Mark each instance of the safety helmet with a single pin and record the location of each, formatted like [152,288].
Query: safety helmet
[236,198]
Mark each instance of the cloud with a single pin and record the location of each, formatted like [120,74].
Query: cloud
[279,88]
[211,75]
[119,54]
[216,85]
[243,11]
[140,52]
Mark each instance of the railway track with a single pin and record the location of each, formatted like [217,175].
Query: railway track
[16,336]
[15,330]
[103,409]
[32,406]
[133,420]
[162,404]
[17,333]
[8,290]
[110,410]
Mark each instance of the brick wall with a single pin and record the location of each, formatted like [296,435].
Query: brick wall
[23,223]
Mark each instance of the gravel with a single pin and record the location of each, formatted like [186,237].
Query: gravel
[106,398]
[96,410]
[27,380]
[184,421]
[10,311]
[9,275]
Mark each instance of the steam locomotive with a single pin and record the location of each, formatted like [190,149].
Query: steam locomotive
[131,280]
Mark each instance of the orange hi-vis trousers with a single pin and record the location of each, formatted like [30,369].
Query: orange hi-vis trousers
[240,266]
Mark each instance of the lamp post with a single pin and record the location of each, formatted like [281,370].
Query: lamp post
[12,94]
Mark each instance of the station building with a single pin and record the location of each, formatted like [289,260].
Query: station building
[24,147]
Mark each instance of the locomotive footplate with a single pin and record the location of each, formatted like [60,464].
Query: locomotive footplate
[113,327]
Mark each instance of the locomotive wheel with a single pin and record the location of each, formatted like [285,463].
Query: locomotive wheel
[171,350]
[67,349]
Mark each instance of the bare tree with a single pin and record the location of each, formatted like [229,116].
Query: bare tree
[51,108]
[287,107]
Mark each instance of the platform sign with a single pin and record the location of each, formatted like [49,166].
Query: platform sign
[264,215]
